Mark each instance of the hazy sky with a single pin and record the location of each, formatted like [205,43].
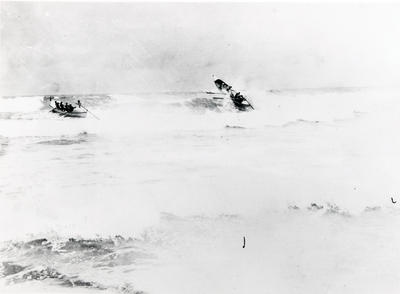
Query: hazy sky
[124,47]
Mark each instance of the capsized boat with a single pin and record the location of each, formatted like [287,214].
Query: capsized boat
[238,99]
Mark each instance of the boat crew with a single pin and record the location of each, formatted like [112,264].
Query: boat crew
[79,103]
[70,108]
[61,106]
[57,104]
[238,97]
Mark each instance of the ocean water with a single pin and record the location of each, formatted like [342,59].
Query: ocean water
[157,194]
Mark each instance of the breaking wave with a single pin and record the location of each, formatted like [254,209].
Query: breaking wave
[270,174]
[89,263]
[54,261]
[202,104]
[283,108]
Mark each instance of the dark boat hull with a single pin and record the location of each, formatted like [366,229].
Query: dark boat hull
[238,100]
[70,114]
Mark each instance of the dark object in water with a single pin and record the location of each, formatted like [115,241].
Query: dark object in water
[315,206]
[238,99]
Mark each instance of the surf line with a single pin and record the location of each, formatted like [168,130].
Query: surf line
[244,241]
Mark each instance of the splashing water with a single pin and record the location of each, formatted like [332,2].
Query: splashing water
[82,200]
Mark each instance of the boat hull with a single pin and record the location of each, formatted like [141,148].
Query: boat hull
[240,102]
[75,113]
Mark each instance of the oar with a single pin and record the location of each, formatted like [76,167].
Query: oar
[249,103]
[87,110]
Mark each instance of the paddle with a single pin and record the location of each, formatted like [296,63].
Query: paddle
[51,108]
[87,110]
[249,103]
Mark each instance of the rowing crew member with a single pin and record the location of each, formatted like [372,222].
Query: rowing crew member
[238,97]
[79,103]
[69,107]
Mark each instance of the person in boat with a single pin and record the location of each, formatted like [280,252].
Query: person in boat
[57,104]
[62,106]
[238,97]
[79,103]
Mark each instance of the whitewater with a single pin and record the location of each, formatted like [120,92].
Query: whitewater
[157,195]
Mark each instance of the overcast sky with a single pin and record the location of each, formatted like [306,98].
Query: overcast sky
[120,48]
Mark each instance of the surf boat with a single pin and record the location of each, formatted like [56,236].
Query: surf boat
[238,99]
[77,112]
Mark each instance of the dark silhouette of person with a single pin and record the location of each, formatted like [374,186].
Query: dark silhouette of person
[238,97]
